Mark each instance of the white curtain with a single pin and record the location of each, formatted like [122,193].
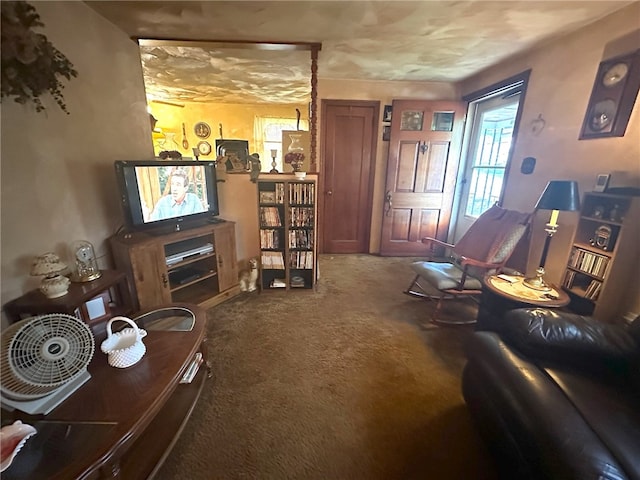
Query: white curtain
[267,132]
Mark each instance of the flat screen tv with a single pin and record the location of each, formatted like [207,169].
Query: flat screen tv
[167,194]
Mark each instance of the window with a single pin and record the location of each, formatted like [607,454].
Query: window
[494,126]
[268,136]
[493,118]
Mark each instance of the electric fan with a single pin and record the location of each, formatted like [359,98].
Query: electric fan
[43,360]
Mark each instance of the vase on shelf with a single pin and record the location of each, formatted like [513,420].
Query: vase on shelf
[168,146]
[295,152]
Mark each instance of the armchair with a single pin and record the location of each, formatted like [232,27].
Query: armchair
[484,248]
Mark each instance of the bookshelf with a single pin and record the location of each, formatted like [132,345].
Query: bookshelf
[604,255]
[287,213]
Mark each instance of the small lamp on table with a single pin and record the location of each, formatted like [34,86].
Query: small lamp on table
[558,195]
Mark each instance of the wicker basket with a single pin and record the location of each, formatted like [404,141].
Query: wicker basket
[124,348]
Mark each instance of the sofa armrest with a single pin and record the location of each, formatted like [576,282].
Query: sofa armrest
[571,339]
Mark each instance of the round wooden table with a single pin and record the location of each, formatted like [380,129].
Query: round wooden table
[500,295]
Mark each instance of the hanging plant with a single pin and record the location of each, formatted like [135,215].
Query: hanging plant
[31,65]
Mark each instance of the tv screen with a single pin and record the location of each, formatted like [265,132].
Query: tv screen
[166,193]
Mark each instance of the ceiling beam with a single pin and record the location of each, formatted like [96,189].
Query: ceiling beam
[244,44]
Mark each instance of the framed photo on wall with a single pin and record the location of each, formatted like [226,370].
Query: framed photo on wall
[235,154]
[602,182]
[388,110]
[386,133]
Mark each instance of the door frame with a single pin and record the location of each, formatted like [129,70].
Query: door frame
[324,103]
[484,93]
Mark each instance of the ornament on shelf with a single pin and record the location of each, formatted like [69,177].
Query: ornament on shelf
[295,152]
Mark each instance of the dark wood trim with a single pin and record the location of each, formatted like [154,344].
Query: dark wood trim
[244,44]
[313,109]
[487,91]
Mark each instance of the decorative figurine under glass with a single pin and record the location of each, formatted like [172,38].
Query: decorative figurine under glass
[295,152]
[49,266]
[86,263]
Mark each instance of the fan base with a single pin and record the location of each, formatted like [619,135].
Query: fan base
[44,405]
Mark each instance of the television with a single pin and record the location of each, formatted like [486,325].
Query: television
[167,194]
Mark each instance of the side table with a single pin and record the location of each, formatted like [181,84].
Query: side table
[94,302]
[499,296]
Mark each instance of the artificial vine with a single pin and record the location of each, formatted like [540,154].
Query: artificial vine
[31,65]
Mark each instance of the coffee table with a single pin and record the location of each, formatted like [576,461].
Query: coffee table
[500,295]
[122,423]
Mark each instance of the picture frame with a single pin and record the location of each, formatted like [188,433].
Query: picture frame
[386,115]
[304,141]
[235,155]
[602,182]
[386,133]
[267,197]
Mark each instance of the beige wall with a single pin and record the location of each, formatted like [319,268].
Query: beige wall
[58,183]
[559,88]
[385,93]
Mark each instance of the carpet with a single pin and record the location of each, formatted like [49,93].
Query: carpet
[349,381]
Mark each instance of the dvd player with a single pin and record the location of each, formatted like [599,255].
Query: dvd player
[181,256]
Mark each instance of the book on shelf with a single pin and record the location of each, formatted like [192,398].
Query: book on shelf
[272,260]
[270,217]
[269,238]
[588,262]
[593,290]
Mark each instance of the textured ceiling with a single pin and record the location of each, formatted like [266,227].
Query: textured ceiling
[374,40]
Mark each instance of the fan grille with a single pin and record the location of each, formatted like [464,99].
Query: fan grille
[44,353]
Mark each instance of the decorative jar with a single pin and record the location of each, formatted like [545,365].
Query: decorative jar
[295,152]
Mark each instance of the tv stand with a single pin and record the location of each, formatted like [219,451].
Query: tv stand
[157,265]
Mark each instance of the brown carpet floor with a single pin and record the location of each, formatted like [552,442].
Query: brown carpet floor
[349,381]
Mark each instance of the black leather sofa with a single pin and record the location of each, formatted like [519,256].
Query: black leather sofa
[557,395]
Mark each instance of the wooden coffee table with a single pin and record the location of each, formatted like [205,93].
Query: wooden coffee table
[499,296]
[121,423]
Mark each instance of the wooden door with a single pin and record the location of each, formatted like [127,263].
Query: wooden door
[349,132]
[424,152]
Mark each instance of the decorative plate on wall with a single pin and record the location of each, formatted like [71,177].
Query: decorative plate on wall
[202,130]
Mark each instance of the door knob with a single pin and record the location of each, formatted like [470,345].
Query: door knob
[388,199]
[329,192]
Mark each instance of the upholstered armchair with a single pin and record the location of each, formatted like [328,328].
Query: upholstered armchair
[483,249]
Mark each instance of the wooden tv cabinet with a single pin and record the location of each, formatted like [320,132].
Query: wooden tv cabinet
[122,423]
[195,265]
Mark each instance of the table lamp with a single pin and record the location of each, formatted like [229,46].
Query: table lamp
[558,195]
[49,266]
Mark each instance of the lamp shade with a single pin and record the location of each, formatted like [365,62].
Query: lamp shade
[47,264]
[559,195]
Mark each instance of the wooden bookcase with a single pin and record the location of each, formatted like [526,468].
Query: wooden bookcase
[287,213]
[603,263]
[196,265]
